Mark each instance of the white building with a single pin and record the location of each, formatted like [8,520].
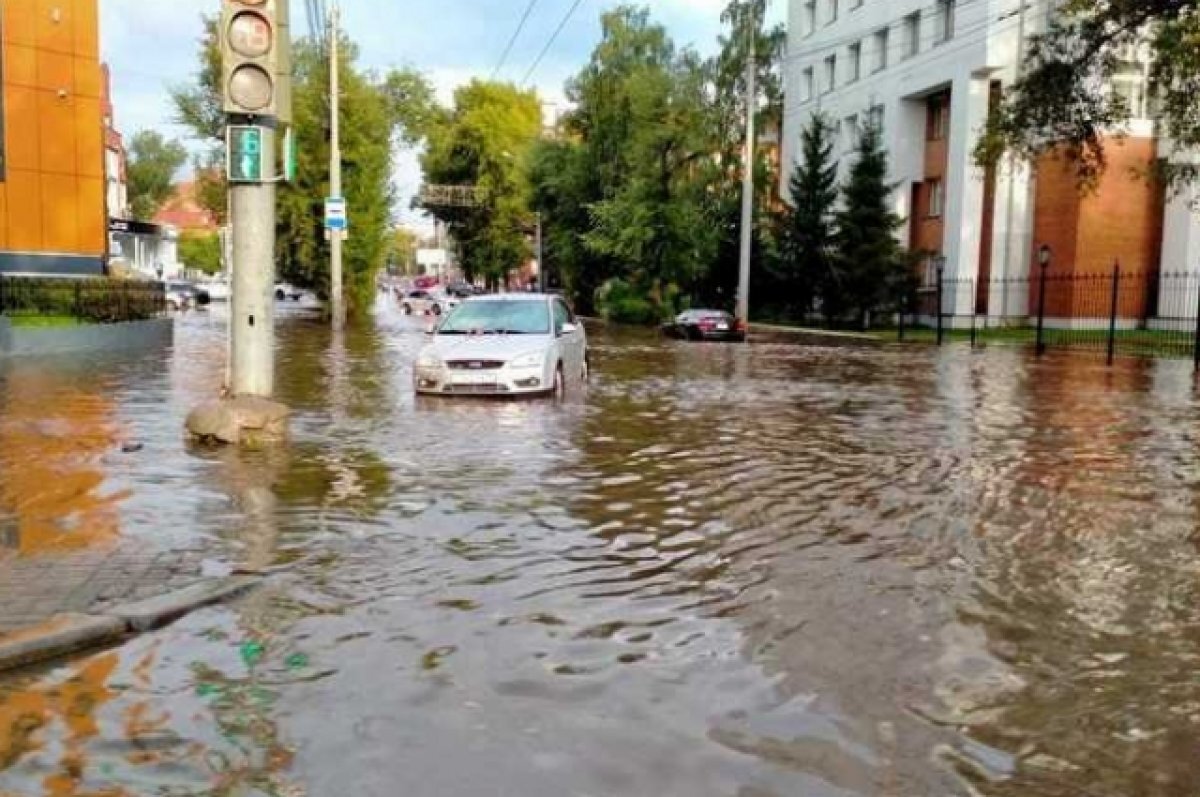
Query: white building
[927,72]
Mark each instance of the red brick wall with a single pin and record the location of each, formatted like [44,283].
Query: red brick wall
[1120,220]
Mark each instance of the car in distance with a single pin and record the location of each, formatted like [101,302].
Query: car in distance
[423,302]
[182,295]
[706,325]
[284,290]
[504,345]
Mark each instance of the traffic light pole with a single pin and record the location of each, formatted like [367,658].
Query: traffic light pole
[252,302]
[337,292]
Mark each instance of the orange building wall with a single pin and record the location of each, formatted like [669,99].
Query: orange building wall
[1120,221]
[52,191]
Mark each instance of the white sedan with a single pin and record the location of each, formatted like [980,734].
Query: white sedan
[507,345]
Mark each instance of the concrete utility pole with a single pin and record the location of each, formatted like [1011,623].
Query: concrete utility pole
[541,261]
[252,303]
[335,169]
[743,296]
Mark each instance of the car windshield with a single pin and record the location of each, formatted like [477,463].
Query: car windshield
[505,317]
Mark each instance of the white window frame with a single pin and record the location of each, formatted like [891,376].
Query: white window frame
[912,35]
[882,40]
[855,59]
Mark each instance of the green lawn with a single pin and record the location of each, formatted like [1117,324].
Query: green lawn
[43,321]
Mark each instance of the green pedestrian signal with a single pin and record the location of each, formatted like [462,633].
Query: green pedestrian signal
[245,154]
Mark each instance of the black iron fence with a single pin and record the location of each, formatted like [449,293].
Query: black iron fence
[92,300]
[1111,312]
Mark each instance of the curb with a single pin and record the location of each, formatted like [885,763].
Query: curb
[821,333]
[70,633]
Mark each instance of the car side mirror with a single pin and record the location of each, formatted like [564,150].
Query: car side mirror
[568,329]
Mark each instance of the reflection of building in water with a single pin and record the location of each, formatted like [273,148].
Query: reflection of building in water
[53,435]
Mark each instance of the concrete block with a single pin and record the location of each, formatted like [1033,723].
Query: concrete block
[58,636]
[156,612]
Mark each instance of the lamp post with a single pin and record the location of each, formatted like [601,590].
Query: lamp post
[1044,257]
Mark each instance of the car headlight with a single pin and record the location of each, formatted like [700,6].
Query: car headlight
[429,359]
[531,360]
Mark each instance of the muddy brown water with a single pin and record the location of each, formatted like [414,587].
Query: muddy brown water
[785,569]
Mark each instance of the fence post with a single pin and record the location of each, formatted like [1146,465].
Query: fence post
[1196,341]
[1112,315]
[941,295]
[1041,319]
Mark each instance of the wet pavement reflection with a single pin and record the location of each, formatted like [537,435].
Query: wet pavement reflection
[789,569]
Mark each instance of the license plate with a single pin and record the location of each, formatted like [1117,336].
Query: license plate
[722,327]
[473,379]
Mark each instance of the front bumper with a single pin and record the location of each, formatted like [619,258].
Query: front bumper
[507,381]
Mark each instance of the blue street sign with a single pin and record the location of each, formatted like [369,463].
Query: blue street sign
[335,213]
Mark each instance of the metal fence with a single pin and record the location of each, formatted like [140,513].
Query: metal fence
[92,300]
[1111,312]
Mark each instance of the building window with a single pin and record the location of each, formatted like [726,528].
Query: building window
[875,118]
[912,34]
[807,85]
[937,198]
[938,126]
[1129,84]
[809,20]
[881,50]
[850,133]
[832,14]
[830,73]
[945,20]
[855,63]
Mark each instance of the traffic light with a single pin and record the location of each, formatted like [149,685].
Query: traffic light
[251,50]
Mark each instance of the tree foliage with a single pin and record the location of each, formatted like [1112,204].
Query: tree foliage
[1064,99]
[378,112]
[806,229]
[200,251]
[153,162]
[869,263]
[484,141]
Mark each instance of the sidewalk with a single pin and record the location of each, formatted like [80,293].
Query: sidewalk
[34,589]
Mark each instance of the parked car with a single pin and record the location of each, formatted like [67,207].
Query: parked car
[185,295]
[463,290]
[505,345]
[706,325]
[422,302]
[285,291]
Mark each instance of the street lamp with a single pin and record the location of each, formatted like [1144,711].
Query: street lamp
[1044,254]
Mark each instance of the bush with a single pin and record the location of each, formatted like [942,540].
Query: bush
[95,300]
[619,302]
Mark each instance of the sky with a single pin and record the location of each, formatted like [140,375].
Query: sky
[152,46]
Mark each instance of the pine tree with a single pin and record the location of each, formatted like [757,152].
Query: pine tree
[869,259]
[806,228]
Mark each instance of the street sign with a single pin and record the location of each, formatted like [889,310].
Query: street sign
[289,155]
[335,213]
[245,154]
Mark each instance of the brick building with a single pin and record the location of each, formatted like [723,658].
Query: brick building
[52,179]
[927,72]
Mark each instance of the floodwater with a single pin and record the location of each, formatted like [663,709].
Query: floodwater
[789,569]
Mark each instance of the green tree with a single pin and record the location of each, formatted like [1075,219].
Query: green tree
[870,263]
[201,251]
[1063,101]
[484,142]
[153,162]
[378,111]
[807,233]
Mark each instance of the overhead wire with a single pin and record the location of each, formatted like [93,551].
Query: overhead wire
[553,38]
[513,39]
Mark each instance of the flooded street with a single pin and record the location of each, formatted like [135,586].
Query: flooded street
[795,568]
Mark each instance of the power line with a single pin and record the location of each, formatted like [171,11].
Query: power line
[516,34]
[554,37]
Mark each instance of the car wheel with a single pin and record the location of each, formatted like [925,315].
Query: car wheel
[406,309]
[560,383]
[436,309]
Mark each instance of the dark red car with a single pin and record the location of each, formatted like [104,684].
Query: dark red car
[706,325]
